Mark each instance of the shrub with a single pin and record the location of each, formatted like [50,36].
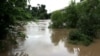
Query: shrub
[77,37]
[57,18]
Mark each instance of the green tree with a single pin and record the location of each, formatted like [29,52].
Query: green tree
[71,15]
[12,14]
[57,18]
[40,12]
[88,23]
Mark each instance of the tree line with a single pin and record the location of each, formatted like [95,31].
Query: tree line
[39,12]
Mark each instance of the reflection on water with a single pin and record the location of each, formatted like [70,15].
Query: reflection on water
[58,35]
[59,38]
[42,41]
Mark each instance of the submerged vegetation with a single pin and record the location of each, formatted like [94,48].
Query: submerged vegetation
[14,14]
[83,16]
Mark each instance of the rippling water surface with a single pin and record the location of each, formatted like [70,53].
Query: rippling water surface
[42,41]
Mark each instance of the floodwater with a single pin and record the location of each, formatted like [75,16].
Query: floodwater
[42,41]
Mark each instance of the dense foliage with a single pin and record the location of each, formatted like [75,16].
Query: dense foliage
[11,11]
[57,19]
[13,14]
[40,12]
[83,16]
[71,15]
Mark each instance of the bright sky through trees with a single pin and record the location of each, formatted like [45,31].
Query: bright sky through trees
[51,5]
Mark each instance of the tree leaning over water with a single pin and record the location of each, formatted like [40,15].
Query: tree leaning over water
[12,15]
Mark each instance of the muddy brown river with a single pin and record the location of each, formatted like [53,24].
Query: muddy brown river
[42,41]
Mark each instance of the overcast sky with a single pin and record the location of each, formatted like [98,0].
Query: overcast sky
[51,5]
